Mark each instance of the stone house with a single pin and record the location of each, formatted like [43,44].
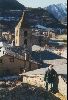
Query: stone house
[15,64]
[8,36]
[4,47]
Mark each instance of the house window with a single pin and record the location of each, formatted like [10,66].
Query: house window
[0,50]
[11,59]
[0,60]
[3,52]
[25,34]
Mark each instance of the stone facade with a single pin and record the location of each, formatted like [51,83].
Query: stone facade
[36,80]
[15,64]
[23,38]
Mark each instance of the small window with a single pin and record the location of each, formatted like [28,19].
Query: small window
[11,59]
[8,48]
[0,47]
[3,52]
[0,60]
[0,50]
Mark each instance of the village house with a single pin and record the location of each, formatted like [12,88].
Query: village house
[12,63]
[15,60]
[8,36]
[49,34]
[4,47]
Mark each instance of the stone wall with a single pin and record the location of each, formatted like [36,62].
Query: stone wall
[62,86]
[38,80]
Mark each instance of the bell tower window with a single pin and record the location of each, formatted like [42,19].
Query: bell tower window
[25,34]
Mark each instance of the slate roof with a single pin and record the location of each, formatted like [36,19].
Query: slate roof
[44,55]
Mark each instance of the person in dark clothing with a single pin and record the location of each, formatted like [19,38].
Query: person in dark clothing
[51,77]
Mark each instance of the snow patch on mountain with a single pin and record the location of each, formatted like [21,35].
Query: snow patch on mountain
[59,11]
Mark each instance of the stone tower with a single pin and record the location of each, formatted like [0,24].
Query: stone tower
[22,32]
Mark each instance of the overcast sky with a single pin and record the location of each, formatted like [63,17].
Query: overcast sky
[40,3]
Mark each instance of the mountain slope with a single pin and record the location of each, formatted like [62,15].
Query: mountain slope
[59,11]
[40,17]
[10,13]
[10,5]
